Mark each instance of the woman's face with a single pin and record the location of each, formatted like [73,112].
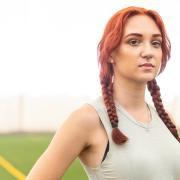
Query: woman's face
[138,57]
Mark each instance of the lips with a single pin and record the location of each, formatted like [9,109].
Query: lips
[146,65]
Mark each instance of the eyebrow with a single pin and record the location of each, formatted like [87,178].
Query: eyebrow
[140,35]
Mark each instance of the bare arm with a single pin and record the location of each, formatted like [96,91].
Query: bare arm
[68,142]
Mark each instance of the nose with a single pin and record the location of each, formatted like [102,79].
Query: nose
[147,52]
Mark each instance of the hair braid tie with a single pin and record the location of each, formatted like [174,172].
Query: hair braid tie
[117,136]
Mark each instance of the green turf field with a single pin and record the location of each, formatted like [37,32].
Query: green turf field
[22,150]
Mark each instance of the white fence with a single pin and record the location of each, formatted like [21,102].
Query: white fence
[27,114]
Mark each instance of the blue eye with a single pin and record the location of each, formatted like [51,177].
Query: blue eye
[134,42]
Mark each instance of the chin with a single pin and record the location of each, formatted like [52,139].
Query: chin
[145,79]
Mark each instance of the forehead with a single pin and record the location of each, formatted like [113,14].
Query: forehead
[142,24]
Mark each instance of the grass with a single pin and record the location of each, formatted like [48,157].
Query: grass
[5,176]
[22,150]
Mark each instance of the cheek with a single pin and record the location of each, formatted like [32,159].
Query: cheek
[126,59]
[158,63]
[159,59]
[125,67]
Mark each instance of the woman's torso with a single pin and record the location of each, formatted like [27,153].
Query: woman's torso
[151,152]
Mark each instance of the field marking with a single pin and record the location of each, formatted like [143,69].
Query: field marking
[11,169]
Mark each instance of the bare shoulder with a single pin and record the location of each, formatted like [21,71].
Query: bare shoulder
[85,116]
[71,138]
[81,123]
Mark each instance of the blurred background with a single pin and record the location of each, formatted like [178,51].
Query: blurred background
[48,67]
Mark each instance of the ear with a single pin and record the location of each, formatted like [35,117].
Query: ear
[111,59]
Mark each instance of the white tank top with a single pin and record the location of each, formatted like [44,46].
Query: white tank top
[151,153]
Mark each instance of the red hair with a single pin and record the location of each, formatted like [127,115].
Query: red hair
[109,42]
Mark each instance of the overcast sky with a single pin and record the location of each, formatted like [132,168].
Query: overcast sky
[48,47]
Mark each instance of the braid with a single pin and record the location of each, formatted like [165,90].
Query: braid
[156,97]
[107,92]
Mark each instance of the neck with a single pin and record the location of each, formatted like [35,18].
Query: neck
[129,94]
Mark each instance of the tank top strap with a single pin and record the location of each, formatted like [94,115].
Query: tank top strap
[99,106]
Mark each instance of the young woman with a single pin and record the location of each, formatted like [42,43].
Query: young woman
[119,135]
